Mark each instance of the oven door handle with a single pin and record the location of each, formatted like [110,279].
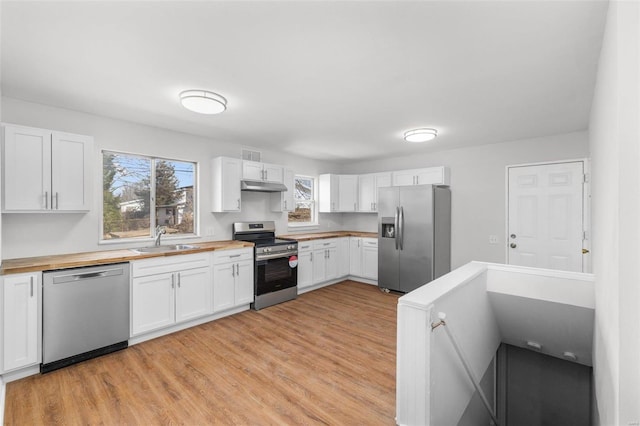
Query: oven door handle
[275,256]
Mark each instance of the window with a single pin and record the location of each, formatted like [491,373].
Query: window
[140,193]
[304,201]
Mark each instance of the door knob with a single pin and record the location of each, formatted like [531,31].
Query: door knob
[585,251]
[513,245]
[512,236]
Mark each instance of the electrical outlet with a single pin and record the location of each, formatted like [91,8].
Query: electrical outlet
[493,239]
[210,231]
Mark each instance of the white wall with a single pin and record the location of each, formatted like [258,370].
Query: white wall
[614,140]
[477,188]
[43,234]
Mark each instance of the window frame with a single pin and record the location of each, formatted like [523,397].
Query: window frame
[314,200]
[152,188]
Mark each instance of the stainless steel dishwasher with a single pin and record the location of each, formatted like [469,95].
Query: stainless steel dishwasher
[85,313]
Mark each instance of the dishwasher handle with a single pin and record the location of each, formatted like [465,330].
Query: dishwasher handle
[79,276]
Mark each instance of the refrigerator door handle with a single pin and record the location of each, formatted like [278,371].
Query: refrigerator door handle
[401,230]
[395,227]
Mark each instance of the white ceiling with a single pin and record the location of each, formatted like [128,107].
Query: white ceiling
[330,80]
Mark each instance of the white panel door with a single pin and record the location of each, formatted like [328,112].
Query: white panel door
[370,258]
[319,265]
[20,322]
[223,286]
[193,295]
[305,269]
[366,193]
[231,171]
[252,170]
[27,169]
[153,302]
[70,161]
[355,257]
[273,173]
[545,228]
[244,283]
[348,193]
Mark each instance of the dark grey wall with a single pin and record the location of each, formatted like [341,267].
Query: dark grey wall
[542,390]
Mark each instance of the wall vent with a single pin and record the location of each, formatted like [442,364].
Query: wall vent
[251,155]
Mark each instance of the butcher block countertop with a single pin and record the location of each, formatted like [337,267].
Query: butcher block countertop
[63,261]
[322,235]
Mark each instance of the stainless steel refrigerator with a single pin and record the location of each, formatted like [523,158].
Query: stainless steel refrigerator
[414,235]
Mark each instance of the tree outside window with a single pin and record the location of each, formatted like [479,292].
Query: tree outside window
[304,200]
[135,186]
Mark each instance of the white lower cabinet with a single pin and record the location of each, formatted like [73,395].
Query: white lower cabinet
[343,256]
[305,265]
[325,260]
[328,260]
[21,325]
[364,258]
[370,258]
[170,290]
[232,278]
[355,256]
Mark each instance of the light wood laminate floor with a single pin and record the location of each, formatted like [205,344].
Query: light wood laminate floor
[327,357]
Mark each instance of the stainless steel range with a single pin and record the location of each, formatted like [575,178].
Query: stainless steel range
[275,263]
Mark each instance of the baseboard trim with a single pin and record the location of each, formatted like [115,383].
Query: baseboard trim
[182,326]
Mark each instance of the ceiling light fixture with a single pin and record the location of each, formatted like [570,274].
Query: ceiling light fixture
[420,135]
[203,101]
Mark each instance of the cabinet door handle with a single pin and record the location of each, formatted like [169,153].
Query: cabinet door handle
[31,286]
[238,269]
[311,257]
[285,204]
[238,203]
[233,270]
[173,280]
[417,180]
[178,274]
[46,200]
[56,201]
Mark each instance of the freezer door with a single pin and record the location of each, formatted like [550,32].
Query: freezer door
[416,255]
[388,253]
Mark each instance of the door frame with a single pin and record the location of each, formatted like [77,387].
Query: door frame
[586,207]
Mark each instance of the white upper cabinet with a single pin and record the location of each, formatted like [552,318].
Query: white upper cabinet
[226,174]
[368,190]
[254,170]
[426,176]
[283,201]
[46,171]
[338,193]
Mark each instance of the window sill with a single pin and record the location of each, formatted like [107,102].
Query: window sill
[303,227]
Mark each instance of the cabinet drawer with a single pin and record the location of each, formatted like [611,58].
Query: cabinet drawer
[324,244]
[370,242]
[160,265]
[235,255]
[304,247]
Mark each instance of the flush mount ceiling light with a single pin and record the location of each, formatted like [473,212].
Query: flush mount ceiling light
[203,101]
[420,135]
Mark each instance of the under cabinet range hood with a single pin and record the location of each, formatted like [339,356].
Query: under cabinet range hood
[259,186]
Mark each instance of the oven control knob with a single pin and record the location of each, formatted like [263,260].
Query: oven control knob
[266,250]
[290,247]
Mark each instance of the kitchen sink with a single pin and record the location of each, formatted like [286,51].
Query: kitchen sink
[163,249]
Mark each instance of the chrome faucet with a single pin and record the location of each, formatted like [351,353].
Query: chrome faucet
[158,233]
